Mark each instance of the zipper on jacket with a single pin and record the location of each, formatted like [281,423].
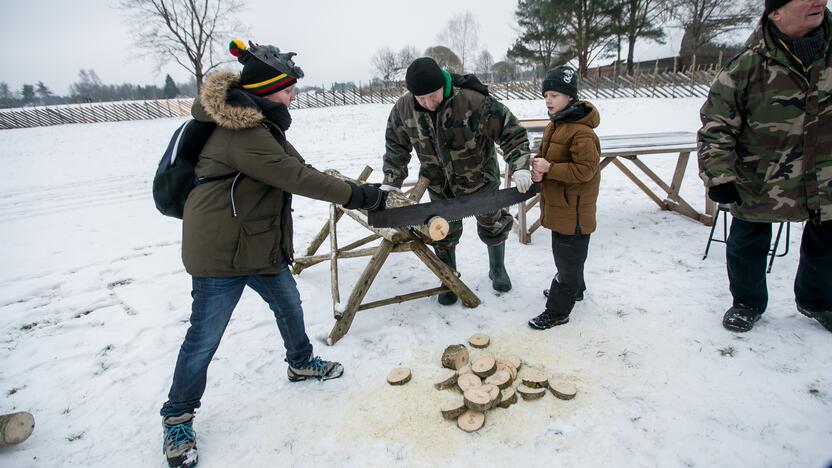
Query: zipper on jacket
[578,216]
[234,205]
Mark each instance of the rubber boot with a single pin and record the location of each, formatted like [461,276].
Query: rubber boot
[448,257]
[497,268]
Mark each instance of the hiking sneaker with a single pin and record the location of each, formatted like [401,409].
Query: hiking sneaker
[740,319]
[579,296]
[180,440]
[548,319]
[316,368]
[824,317]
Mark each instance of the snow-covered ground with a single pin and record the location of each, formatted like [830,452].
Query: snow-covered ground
[94,304]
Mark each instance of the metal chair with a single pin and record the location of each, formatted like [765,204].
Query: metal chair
[772,253]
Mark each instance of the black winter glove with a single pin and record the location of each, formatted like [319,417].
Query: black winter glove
[367,197]
[725,193]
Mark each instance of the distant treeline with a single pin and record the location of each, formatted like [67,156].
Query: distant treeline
[90,88]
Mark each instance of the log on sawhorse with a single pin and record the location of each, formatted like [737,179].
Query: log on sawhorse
[402,239]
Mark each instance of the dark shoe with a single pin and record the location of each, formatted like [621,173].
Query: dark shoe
[548,319]
[824,317]
[740,319]
[316,368]
[180,441]
[448,257]
[497,268]
[579,296]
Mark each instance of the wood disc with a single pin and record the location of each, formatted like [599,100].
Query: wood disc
[534,379]
[399,376]
[471,421]
[479,340]
[508,397]
[563,389]
[455,356]
[484,365]
[513,360]
[493,392]
[477,399]
[453,408]
[445,379]
[529,393]
[501,379]
[466,369]
[466,382]
[507,367]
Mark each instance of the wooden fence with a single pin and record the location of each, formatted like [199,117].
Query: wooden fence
[24,117]
[655,84]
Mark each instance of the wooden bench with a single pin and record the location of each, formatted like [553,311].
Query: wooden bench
[614,150]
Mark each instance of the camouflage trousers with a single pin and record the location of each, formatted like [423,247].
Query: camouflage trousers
[492,228]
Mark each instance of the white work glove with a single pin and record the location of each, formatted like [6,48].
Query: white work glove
[389,188]
[522,180]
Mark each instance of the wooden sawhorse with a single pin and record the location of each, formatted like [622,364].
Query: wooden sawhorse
[412,239]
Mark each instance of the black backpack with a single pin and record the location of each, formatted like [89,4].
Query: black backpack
[175,177]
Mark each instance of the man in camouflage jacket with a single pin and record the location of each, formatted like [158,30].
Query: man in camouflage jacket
[452,123]
[765,147]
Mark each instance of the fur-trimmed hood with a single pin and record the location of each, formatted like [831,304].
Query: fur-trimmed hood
[216,105]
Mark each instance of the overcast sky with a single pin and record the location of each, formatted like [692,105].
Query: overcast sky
[51,40]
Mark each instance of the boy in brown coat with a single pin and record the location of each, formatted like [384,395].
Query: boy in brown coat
[568,167]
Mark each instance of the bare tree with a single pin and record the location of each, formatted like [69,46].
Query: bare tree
[388,64]
[445,57]
[705,20]
[461,34]
[192,33]
[483,64]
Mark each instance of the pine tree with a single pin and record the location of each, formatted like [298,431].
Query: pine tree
[28,93]
[170,90]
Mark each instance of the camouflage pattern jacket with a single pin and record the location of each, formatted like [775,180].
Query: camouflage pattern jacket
[767,127]
[457,150]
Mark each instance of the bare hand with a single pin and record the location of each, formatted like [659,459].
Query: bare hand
[537,176]
[540,165]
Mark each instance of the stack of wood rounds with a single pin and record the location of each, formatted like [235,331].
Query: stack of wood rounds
[474,384]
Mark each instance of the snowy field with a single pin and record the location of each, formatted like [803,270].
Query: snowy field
[95,302]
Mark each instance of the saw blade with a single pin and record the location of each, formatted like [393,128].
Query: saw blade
[452,209]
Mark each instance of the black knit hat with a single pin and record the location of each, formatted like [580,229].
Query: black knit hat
[424,76]
[265,69]
[772,5]
[562,79]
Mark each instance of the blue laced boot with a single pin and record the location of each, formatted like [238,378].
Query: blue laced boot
[180,441]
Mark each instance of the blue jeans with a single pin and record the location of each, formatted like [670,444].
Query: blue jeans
[214,300]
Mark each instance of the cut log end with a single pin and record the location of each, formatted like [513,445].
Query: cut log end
[484,366]
[466,382]
[445,379]
[529,393]
[16,427]
[455,356]
[501,378]
[562,389]
[438,228]
[479,340]
[453,408]
[478,399]
[534,379]
[508,397]
[471,421]
[399,376]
